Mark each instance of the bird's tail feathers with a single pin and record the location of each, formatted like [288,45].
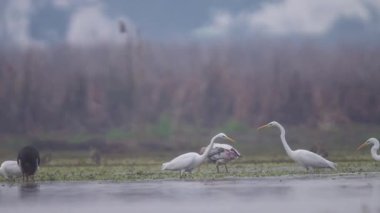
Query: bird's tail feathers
[164,165]
[332,165]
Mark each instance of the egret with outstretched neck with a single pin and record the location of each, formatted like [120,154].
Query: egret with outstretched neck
[189,161]
[375,146]
[303,157]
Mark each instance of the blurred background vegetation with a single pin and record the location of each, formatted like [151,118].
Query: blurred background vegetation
[155,98]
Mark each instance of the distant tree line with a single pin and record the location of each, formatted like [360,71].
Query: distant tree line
[95,88]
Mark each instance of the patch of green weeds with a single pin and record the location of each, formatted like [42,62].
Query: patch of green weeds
[145,169]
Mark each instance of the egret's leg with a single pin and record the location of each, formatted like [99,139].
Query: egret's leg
[181,175]
[225,166]
[191,174]
[199,169]
[217,167]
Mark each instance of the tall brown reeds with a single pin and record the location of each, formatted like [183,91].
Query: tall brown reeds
[95,88]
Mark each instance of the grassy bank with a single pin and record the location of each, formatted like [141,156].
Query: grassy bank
[149,169]
[138,155]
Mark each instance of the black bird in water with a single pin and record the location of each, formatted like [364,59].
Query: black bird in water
[28,159]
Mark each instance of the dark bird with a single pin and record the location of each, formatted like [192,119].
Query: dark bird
[221,154]
[122,26]
[29,160]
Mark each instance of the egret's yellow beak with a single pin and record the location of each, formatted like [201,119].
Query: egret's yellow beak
[263,126]
[230,139]
[363,145]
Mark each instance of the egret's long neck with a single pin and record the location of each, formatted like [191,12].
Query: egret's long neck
[283,140]
[374,152]
[208,148]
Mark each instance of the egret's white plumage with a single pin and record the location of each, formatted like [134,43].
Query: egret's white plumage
[221,154]
[375,146]
[189,161]
[303,157]
[10,169]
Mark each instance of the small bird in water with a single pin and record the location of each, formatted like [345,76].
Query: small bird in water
[10,170]
[221,154]
[29,160]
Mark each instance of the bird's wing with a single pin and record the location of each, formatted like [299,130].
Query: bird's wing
[8,163]
[236,152]
[308,158]
[222,145]
[181,162]
[228,147]
[11,168]
[215,151]
[216,154]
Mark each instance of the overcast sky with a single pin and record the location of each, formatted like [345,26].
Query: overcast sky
[87,22]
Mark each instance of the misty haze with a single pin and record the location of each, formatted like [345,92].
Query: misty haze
[100,99]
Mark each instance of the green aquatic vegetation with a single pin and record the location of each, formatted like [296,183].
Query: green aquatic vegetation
[146,169]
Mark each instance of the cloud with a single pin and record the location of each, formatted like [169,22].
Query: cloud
[68,4]
[15,21]
[220,25]
[86,23]
[62,4]
[305,17]
[90,25]
[290,17]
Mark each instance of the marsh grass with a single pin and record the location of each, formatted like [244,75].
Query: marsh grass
[149,169]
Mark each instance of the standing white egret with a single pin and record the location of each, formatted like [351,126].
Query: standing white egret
[375,146]
[189,161]
[303,157]
[10,169]
[221,154]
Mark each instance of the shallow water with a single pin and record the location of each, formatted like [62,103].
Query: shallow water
[348,193]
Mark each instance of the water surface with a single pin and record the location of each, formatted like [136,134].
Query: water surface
[345,193]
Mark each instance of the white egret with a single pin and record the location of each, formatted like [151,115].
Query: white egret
[189,161]
[375,146]
[9,169]
[303,157]
[221,154]
[29,160]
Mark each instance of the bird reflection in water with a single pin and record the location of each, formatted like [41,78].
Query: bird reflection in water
[29,190]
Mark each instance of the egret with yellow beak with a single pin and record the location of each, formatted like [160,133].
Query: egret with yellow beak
[191,160]
[303,157]
[375,146]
